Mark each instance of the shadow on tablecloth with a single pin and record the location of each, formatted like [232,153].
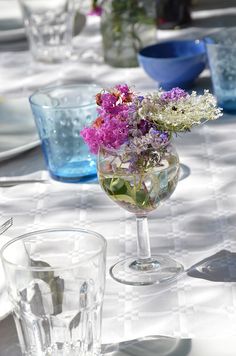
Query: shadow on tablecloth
[220,267]
[158,346]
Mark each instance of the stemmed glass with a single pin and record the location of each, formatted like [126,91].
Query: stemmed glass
[140,191]
[138,167]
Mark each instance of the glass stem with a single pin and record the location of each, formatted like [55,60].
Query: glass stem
[143,241]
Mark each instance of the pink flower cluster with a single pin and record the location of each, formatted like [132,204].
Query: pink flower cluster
[96,9]
[111,128]
[112,134]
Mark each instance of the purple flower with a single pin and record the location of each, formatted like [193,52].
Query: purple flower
[108,101]
[123,88]
[114,133]
[91,137]
[174,94]
[111,134]
[113,104]
[134,157]
[140,98]
[144,126]
[96,11]
[159,136]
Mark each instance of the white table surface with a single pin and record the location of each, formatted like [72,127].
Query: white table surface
[196,223]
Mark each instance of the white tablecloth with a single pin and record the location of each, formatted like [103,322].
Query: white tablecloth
[197,222]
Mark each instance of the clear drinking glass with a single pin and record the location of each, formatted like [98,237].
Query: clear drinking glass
[55,281]
[49,28]
[126,27]
[60,114]
[140,193]
[221,50]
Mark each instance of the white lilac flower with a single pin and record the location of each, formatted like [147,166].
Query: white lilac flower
[179,113]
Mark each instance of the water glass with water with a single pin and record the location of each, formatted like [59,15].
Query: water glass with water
[55,280]
[60,114]
[49,28]
[221,50]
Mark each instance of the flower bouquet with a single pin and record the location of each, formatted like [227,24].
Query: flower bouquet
[138,166]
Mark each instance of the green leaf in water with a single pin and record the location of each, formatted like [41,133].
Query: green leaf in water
[124,198]
[118,186]
[141,198]
[114,186]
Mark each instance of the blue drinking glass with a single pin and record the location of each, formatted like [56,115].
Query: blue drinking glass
[221,50]
[60,114]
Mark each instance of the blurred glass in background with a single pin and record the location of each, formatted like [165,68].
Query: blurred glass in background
[221,49]
[49,28]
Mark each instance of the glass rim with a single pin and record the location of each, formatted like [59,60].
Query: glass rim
[214,37]
[222,45]
[120,149]
[199,41]
[49,88]
[112,151]
[57,268]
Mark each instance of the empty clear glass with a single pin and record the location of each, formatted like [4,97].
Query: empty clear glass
[221,49]
[55,281]
[60,114]
[49,28]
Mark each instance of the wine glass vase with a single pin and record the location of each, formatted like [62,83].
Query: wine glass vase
[139,183]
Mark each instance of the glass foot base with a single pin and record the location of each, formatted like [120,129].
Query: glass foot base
[157,269]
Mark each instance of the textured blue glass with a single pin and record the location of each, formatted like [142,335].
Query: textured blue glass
[60,114]
[221,49]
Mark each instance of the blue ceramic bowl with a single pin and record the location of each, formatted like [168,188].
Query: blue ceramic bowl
[174,63]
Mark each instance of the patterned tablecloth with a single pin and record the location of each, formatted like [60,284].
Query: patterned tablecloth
[198,222]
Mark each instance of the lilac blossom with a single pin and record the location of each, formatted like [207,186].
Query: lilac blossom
[144,126]
[174,94]
[152,139]
[140,98]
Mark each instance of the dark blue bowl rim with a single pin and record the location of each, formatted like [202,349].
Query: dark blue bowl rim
[198,41]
